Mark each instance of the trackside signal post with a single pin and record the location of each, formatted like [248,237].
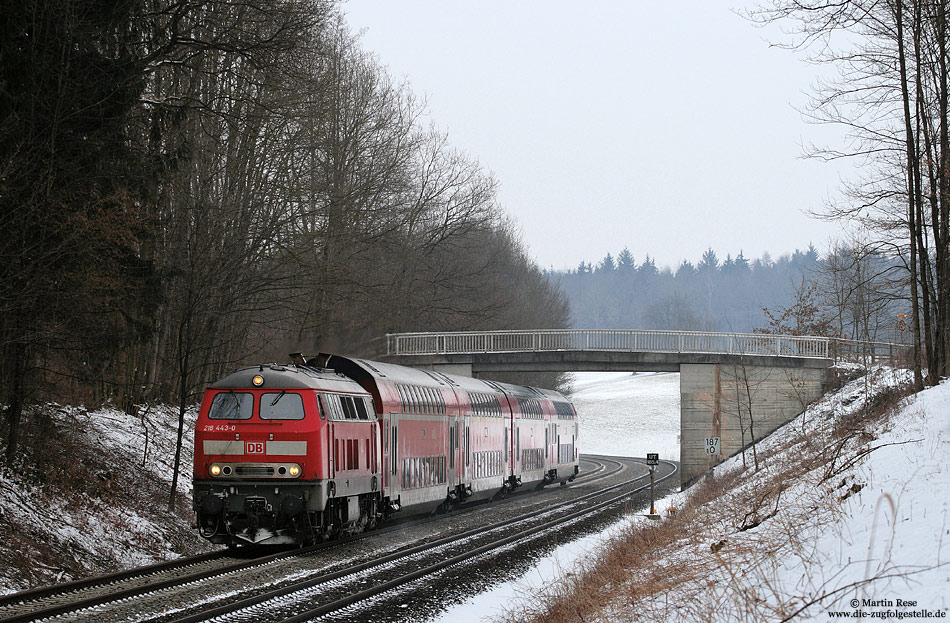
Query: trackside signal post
[653,459]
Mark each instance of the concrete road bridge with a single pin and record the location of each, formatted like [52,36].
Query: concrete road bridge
[727,380]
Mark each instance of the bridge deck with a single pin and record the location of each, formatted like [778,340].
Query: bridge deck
[626,350]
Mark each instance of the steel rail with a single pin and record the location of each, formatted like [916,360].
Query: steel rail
[303,585]
[35,594]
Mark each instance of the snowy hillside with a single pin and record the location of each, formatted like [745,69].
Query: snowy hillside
[91,496]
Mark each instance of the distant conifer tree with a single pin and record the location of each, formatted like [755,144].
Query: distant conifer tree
[709,262]
[625,261]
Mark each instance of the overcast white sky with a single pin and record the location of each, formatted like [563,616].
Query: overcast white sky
[666,127]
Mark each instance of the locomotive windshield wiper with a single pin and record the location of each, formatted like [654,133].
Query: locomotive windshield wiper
[279,396]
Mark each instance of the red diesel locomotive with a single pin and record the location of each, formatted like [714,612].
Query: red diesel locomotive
[290,454]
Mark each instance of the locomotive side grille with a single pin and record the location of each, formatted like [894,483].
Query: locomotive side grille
[254,470]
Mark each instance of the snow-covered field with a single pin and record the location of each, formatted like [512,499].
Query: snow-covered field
[624,414]
[893,540]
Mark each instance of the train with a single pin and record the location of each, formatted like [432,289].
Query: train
[329,446]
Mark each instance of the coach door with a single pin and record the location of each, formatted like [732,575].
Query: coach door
[467,443]
[508,470]
[456,460]
[389,450]
[393,466]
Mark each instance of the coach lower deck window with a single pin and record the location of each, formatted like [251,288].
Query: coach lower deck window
[231,406]
[281,406]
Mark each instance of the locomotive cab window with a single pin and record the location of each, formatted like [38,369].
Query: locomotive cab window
[321,408]
[231,406]
[281,406]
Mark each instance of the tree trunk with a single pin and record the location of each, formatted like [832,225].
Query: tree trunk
[14,410]
[912,172]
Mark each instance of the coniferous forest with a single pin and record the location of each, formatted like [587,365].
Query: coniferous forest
[710,295]
[846,292]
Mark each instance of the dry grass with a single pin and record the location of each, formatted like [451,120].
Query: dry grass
[718,558]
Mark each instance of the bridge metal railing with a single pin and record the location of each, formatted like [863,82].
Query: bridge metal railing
[461,342]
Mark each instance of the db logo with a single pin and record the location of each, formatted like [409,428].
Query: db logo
[255,447]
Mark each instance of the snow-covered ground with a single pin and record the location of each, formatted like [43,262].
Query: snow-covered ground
[892,541]
[878,531]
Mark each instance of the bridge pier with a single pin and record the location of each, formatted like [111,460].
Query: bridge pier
[715,401]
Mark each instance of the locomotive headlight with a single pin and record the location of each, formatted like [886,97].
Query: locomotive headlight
[294,470]
[215,470]
[258,380]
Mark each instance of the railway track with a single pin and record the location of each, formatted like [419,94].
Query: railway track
[340,590]
[89,597]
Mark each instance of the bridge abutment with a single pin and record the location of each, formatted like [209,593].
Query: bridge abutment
[737,403]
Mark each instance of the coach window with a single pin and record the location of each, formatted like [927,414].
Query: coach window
[281,406]
[231,406]
[370,408]
[402,397]
[417,398]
